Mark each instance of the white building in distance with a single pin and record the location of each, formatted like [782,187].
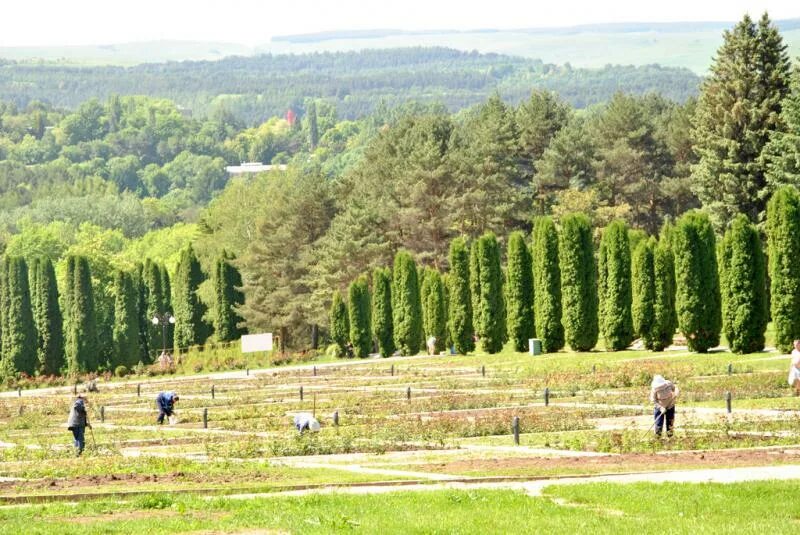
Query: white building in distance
[253,167]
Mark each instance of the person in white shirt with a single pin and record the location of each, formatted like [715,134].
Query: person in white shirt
[663,394]
[794,368]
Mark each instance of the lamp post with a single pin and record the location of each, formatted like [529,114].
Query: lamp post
[163,319]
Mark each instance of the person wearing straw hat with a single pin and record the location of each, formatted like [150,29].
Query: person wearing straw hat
[663,394]
[77,422]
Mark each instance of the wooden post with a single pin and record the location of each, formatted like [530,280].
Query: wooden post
[74,390]
[408,393]
[515,429]
[19,391]
[315,371]
[102,414]
[391,370]
[483,370]
[336,418]
[301,392]
[138,391]
[205,418]
[546,397]
[21,409]
[594,368]
[730,368]
[728,398]
[212,392]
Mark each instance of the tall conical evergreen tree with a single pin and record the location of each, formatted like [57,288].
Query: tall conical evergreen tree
[547,285]
[643,310]
[782,154]
[359,310]
[156,306]
[227,282]
[166,304]
[339,323]
[313,128]
[7,369]
[48,318]
[614,286]
[434,311]
[491,330]
[738,109]
[697,281]
[19,332]
[190,328]
[519,292]
[460,298]
[144,319]
[578,282]
[382,311]
[783,239]
[406,304]
[126,321]
[666,320]
[475,285]
[743,287]
[82,347]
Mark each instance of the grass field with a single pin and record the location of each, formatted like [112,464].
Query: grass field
[408,422]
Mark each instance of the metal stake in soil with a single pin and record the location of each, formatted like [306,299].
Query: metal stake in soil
[205,418]
[546,397]
[515,428]
[408,393]
[212,391]
[336,418]
[102,414]
[728,398]
[301,393]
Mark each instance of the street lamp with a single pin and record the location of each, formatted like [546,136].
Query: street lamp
[164,319]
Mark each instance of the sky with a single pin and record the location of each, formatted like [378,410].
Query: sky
[251,22]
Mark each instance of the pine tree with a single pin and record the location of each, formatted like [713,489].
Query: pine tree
[547,285]
[743,287]
[48,318]
[665,317]
[7,369]
[382,311]
[126,321]
[491,330]
[519,292]
[614,285]
[190,328]
[738,109]
[156,307]
[697,281]
[643,285]
[19,332]
[782,154]
[475,285]
[359,310]
[82,346]
[339,323]
[783,239]
[434,312]
[406,304]
[227,282]
[313,128]
[460,298]
[144,319]
[578,282]
[166,305]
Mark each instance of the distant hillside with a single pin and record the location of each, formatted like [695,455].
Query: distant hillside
[254,88]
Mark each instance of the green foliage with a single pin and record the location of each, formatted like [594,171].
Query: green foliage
[475,285]
[738,109]
[406,304]
[359,311]
[382,311]
[665,316]
[614,285]
[339,322]
[227,282]
[743,287]
[643,283]
[697,293]
[782,154]
[460,298]
[434,309]
[157,304]
[19,339]
[578,282]
[47,317]
[491,330]
[547,285]
[783,239]
[190,327]
[126,321]
[519,292]
[80,321]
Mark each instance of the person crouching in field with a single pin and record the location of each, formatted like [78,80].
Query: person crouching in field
[663,394]
[166,405]
[306,422]
[78,422]
[794,368]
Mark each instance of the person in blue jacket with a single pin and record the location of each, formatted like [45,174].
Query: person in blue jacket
[78,422]
[166,404]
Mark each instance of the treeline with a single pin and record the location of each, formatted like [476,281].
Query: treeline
[256,88]
[630,286]
[47,328]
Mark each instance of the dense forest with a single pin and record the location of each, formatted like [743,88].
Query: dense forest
[253,89]
[126,200]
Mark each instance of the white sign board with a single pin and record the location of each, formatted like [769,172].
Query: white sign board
[256,342]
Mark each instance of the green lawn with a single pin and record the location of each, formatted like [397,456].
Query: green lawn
[755,508]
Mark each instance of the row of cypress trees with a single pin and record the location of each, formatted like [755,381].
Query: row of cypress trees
[566,293]
[42,332]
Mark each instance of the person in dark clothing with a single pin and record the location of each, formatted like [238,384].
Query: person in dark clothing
[165,402]
[78,422]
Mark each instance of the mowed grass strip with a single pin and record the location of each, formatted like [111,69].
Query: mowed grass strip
[596,508]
